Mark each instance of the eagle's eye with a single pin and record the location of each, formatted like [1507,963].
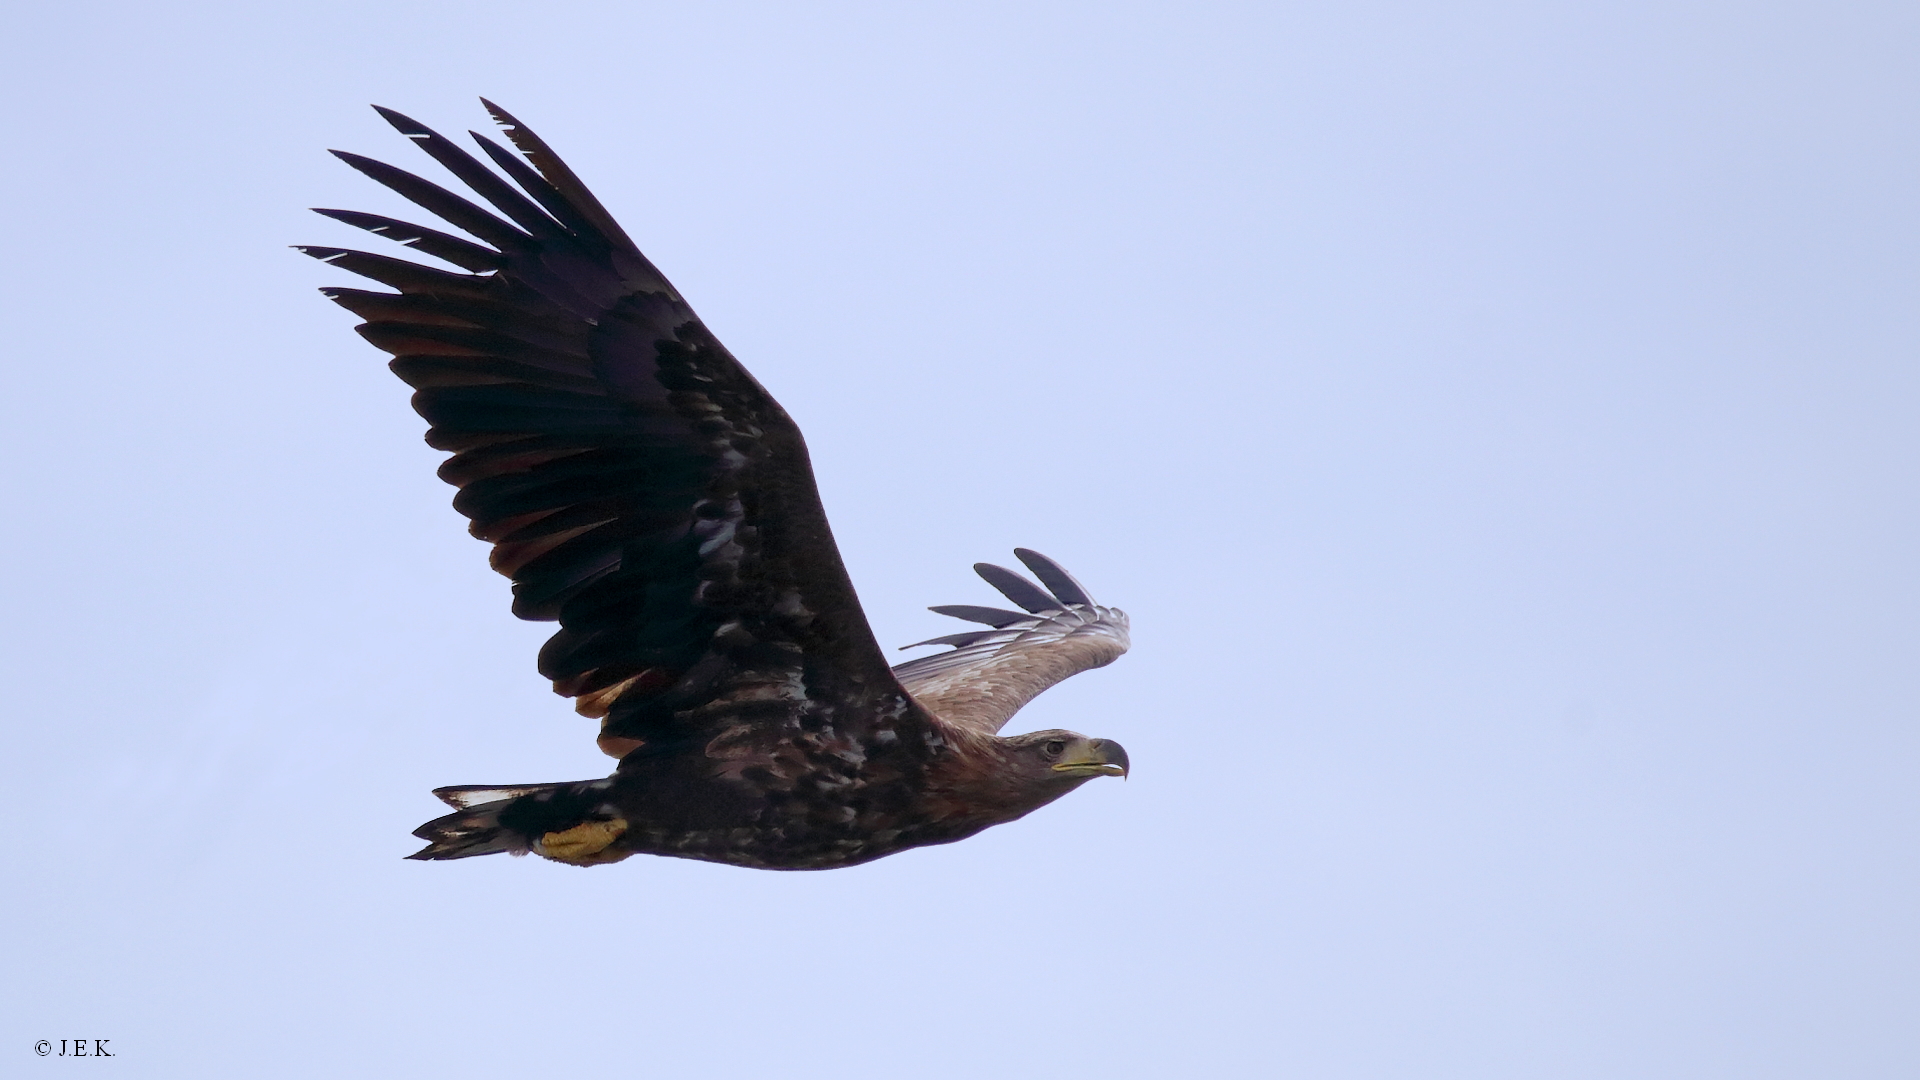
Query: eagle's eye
[1055,748]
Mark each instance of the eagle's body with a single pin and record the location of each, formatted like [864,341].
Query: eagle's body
[641,489]
[774,798]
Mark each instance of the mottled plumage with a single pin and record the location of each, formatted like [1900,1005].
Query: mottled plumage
[642,490]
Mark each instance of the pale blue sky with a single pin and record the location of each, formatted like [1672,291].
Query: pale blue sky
[1498,419]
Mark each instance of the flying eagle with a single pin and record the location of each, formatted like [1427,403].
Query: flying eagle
[641,489]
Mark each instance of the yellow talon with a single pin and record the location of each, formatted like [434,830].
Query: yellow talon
[581,843]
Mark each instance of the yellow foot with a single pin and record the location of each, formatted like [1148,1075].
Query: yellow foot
[581,843]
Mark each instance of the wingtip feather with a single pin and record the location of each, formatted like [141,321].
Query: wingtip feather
[994,617]
[1065,587]
[556,172]
[404,124]
[1016,588]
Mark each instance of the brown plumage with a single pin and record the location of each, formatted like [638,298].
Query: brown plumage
[642,490]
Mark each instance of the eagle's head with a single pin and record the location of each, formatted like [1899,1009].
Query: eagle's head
[993,779]
[1046,759]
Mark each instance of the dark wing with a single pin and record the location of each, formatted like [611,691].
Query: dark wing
[637,485]
[990,674]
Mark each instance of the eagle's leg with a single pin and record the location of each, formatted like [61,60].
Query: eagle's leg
[583,845]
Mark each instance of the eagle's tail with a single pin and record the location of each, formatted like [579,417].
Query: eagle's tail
[474,828]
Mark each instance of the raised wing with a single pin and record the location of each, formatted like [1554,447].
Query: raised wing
[636,483]
[990,674]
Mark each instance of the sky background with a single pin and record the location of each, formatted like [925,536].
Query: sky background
[1497,418]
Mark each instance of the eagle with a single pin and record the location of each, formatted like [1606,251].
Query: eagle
[642,490]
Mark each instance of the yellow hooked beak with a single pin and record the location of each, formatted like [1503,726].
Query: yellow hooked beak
[1100,757]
